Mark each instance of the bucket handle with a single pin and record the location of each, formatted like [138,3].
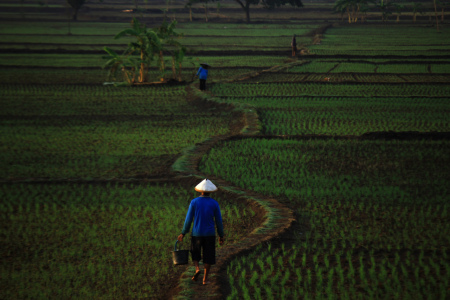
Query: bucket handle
[175,249]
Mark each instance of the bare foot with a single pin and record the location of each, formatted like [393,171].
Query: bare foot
[205,282]
[195,277]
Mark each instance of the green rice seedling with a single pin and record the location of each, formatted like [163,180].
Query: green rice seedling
[280,261]
[298,272]
[270,263]
[254,278]
[308,283]
[269,294]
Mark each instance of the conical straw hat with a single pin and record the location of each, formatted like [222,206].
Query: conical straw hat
[206,186]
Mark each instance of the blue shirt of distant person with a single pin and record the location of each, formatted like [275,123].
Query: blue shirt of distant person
[202,74]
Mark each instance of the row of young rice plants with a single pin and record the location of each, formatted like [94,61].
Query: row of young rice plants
[74,131]
[370,67]
[225,30]
[22,27]
[238,27]
[62,40]
[278,77]
[440,68]
[193,42]
[382,40]
[402,53]
[404,68]
[281,44]
[272,77]
[239,61]
[335,78]
[330,89]
[315,66]
[13,75]
[97,76]
[96,241]
[119,47]
[351,116]
[374,217]
[42,48]
[381,35]
[95,60]
[419,47]
[399,78]
[354,67]
[51,60]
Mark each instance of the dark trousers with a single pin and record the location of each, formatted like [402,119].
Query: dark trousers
[205,244]
[202,84]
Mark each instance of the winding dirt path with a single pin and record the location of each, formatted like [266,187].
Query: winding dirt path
[275,217]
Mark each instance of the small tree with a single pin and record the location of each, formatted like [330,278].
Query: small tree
[76,5]
[204,4]
[443,5]
[385,8]
[189,5]
[353,8]
[364,9]
[436,15]
[270,4]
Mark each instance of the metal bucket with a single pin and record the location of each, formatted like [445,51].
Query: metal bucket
[180,257]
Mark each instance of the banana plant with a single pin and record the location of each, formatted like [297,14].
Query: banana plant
[146,42]
[149,45]
[398,9]
[385,8]
[118,63]
[166,41]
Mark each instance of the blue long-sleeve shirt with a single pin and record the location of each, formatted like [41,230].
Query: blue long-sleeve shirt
[205,212]
[202,73]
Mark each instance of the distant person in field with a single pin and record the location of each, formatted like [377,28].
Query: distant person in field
[205,212]
[202,74]
[294,46]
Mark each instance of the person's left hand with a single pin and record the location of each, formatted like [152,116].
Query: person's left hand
[180,238]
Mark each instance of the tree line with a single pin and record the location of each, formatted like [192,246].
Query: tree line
[244,4]
[358,9]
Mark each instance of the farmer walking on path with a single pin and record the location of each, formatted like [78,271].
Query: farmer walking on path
[202,74]
[294,46]
[205,212]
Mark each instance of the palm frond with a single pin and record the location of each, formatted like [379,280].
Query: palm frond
[131,32]
[110,51]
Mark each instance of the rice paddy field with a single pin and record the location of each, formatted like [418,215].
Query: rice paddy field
[372,214]
[81,240]
[354,139]
[373,218]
